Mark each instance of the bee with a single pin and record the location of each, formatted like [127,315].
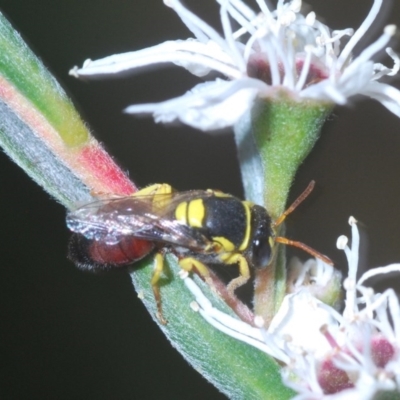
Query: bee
[200,227]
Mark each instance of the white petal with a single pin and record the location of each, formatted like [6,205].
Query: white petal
[208,106]
[353,81]
[325,90]
[198,58]
[202,31]
[387,95]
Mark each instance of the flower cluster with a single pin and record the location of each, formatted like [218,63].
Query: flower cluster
[350,355]
[270,52]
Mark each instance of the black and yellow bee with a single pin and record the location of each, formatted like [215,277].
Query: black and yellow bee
[199,227]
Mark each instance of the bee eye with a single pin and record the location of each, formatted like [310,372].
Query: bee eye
[261,252]
[260,248]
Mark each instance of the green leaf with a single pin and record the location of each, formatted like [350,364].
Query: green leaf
[20,67]
[42,132]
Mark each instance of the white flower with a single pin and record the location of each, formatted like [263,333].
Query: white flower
[328,355]
[271,50]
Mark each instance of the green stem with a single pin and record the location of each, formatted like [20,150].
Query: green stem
[284,131]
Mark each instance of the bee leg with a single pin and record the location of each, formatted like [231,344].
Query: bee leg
[216,192]
[188,263]
[244,272]
[157,188]
[162,190]
[158,269]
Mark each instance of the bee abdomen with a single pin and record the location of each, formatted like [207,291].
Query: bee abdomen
[92,255]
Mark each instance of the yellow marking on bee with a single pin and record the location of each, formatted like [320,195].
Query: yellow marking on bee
[196,213]
[226,244]
[218,193]
[245,244]
[181,213]
[224,257]
[271,242]
[156,190]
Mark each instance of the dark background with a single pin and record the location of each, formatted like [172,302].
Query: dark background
[65,334]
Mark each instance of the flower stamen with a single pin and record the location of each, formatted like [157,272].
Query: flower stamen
[360,32]
[305,68]
[226,25]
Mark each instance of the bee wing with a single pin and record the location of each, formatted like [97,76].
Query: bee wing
[149,217]
[110,218]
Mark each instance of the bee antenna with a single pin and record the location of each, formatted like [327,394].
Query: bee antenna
[304,247]
[295,204]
